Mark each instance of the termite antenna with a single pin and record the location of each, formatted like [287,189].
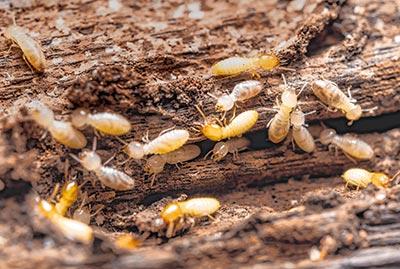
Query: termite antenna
[83,184]
[396,175]
[76,158]
[286,69]
[370,110]
[302,88]
[201,112]
[323,125]
[121,140]
[212,95]
[284,80]
[309,113]
[94,146]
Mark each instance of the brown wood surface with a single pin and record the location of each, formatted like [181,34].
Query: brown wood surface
[153,68]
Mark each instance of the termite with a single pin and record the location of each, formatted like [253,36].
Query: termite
[361,178]
[61,131]
[106,122]
[236,65]
[69,194]
[330,94]
[164,143]
[279,125]
[196,207]
[221,149]
[351,146]
[32,52]
[238,126]
[240,93]
[71,229]
[108,176]
[155,164]
[127,242]
[300,134]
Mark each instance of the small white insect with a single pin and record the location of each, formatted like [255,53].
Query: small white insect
[234,145]
[61,131]
[155,164]
[351,146]
[330,94]
[166,142]
[279,125]
[240,93]
[106,122]
[108,176]
[300,134]
[32,51]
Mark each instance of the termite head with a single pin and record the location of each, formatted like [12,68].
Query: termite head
[41,114]
[354,113]
[155,164]
[90,160]
[212,131]
[380,180]
[210,128]
[268,61]
[135,150]
[219,151]
[171,212]
[224,103]
[79,117]
[70,190]
[326,136]
[45,208]
[289,98]
[297,118]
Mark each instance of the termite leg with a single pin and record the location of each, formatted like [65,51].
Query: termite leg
[166,130]
[170,229]
[97,211]
[153,179]
[27,62]
[110,159]
[208,153]
[327,107]
[350,158]
[211,217]
[53,194]
[350,96]
[293,146]
[270,121]
[146,138]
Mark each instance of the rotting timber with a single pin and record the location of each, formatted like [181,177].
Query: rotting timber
[143,89]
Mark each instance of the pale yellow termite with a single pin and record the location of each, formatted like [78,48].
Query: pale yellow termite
[351,146]
[279,125]
[195,207]
[108,176]
[106,122]
[69,195]
[222,148]
[361,178]
[240,93]
[32,52]
[155,164]
[238,126]
[330,94]
[236,65]
[61,131]
[300,134]
[166,142]
[71,229]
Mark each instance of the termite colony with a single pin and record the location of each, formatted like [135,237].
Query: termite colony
[171,148]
